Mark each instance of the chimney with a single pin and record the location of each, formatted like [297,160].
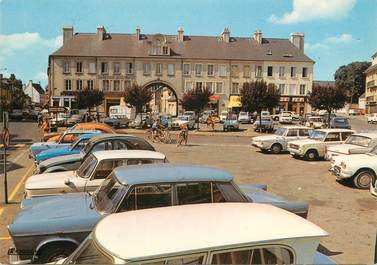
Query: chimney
[138,30]
[297,38]
[67,34]
[101,32]
[258,36]
[226,35]
[180,36]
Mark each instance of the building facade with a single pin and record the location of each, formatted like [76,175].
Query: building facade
[112,62]
[371,87]
[35,92]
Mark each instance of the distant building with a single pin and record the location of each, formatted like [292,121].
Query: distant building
[362,102]
[7,86]
[35,92]
[371,86]
[323,83]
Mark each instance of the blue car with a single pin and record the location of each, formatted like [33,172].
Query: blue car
[71,149]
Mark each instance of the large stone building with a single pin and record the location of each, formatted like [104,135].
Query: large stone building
[371,86]
[111,62]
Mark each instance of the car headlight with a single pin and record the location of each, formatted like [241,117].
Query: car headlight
[343,165]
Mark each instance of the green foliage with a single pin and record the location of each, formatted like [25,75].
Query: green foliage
[87,99]
[19,99]
[196,99]
[257,95]
[138,97]
[351,79]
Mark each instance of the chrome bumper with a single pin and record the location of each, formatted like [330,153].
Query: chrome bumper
[19,257]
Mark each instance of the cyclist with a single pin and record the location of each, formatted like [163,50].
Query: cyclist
[183,134]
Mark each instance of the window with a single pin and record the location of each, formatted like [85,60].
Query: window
[127,84]
[105,167]
[186,69]
[146,68]
[116,85]
[68,85]
[219,87]
[303,132]
[90,84]
[258,71]
[292,89]
[198,69]
[92,68]
[106,85]
[225,192]
[66,67]
[192,193]
[142,161]
[210,70]
[146,197]
[302,89]
[129,68]
[234,71]
[116,68]
[79,84]
[165,50]
[304,72]
[79,67]
[170,69]
[292,133]
[104,68]
[269,70]
[345,135]
[199,85]
[333,137]
[209,86]
[246,71]
[158,69]
[282,89]
[293,71]
[235,88]
[222,70]
[281,71]
[188,86]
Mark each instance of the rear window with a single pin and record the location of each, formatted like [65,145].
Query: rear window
[141,144]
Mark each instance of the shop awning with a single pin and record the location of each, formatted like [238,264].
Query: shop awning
[234,102]
[214,98]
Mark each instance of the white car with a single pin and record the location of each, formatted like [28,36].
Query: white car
[285,117]
[278,142]
[315,122]
[361,169]
[95,168]
[244,117]
[223,116]
[264,234]
[183,119]
[372,118]
[358,143]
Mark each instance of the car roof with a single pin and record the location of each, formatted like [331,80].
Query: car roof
[198,227]
[335,130]
[295,127]
[159,173]
[114,154]
[103,136]
[90,135]
[367,134]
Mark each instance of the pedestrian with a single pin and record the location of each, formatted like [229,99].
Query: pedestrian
[46,126]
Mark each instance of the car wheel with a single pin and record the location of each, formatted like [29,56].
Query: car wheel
[363,178]
[276,148]
[225,129]
[53,253]
[311,155]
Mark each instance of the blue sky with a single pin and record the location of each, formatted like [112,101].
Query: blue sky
[337,32]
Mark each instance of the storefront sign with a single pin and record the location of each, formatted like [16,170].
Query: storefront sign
[298,99]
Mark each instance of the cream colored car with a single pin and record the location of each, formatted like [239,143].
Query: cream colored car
[315,146]
[95,168]
[315,122]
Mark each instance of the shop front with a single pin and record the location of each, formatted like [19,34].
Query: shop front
[234,104]
[297,104]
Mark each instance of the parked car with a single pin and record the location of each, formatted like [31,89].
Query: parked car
[315,122]
[183,119]
[223,116]
[231,123]
[244,117]
[73,120]
[361,169]
[353,112]
[295,116]
[285,117]
[267,124]
[65,140]
[358,143]
[141,121]
[278,142]
[211,239]
[373,191]
[16,114]
[205,115]
[98,143]
[340,122]
[69,218]
[73,148]
[166,120]
[192,114]
[372,118]
[265,113]
[59,119]
[315,146]
[94,169]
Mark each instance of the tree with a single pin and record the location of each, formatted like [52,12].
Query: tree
[88,99]
[138,97]
[19,99]
[196,100]
[351,79]
[327,98]
[257,95]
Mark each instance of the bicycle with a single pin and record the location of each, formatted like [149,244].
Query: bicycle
[162,136]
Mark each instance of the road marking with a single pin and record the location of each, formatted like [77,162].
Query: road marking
[19,145]
[4,237]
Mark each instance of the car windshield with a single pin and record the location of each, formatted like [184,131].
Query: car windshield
[359,140]
[109,194]
[87,148]
[243,113]
[183,118]
[280,131]
[317,135]
[79,143]
[341,121]
[87,167]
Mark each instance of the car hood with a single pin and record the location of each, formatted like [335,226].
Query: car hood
[36,148]
[64,213]
[49,180]
[60,160]
[343,148]
[271,137]
[356,159]
[304,142]
[50,153]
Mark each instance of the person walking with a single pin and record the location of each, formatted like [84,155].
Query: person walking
[46,126]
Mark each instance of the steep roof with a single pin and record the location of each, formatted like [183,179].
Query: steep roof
[193,47]
[38,87]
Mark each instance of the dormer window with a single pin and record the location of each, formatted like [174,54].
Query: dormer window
[165,50]
[159,46]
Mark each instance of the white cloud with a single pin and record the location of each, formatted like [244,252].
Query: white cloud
[307,10]
[344,38]
[331,42]
[41,76]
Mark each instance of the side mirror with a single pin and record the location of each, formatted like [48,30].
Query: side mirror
[67,181]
